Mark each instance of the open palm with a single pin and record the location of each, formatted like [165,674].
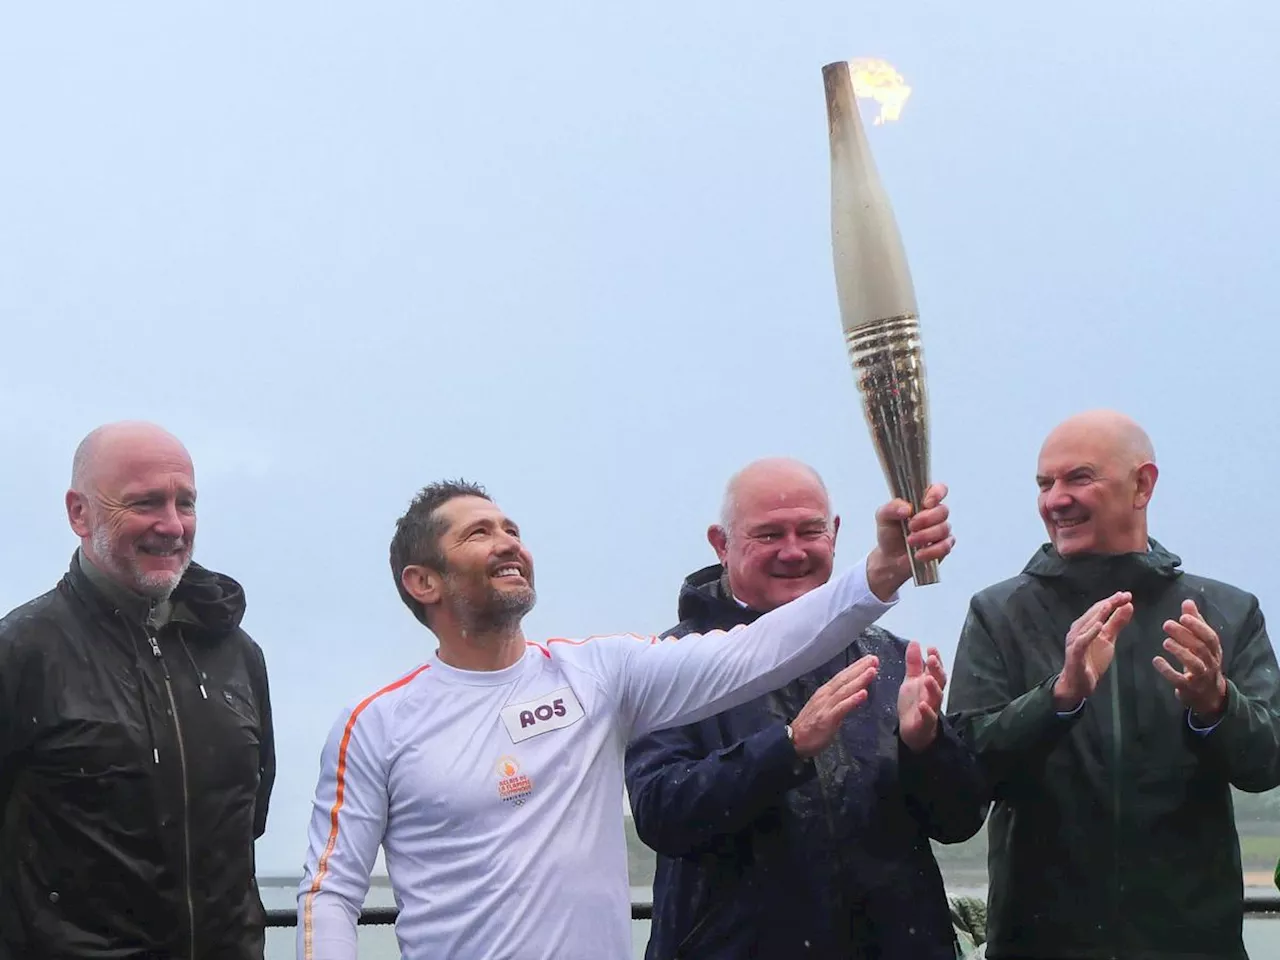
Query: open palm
[1091,646]
[920,697]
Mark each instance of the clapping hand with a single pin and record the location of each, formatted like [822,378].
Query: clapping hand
[920,698]
[1201,686]
[1091,646]
[816,724]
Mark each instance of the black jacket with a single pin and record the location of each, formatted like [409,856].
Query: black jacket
[1113,832]
[133,783]
[762,856]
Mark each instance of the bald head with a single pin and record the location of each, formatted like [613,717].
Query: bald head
[105,448]
[1096,476]
[132,503]
[771,481]
[1109,432]
[776,537]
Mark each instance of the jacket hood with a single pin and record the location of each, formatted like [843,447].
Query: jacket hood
[211,602]
[214,601]
[1122,571]
[705,598]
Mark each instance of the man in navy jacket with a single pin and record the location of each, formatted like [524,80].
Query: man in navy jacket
[798,825]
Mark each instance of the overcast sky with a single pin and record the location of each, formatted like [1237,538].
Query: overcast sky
[580,252]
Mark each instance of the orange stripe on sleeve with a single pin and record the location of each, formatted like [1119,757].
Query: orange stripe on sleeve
[545,646]
[339,796]
[598,636]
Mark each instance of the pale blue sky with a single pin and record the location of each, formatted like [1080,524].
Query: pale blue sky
[580,253]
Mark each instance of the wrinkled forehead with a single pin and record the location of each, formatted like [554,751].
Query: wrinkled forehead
[463,512]
[130,473]
[791,504]
[1078,448]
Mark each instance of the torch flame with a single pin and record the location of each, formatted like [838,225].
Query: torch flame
[877,80]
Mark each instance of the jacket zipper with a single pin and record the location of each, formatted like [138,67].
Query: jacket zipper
[186,803]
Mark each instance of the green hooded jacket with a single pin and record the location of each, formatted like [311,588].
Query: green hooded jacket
[1112,832]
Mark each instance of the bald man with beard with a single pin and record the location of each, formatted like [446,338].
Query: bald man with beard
[136,747]
[1114,700]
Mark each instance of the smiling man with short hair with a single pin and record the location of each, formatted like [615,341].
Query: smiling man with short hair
[137,752]
[491,775]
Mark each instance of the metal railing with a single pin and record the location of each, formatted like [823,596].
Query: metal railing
[643,910]
[374,916]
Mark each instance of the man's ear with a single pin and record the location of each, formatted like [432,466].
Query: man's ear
[1147,475]
[718,537]
[78,513]
[424,584]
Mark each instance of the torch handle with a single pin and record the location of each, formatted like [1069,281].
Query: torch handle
[889,368]
[923,573]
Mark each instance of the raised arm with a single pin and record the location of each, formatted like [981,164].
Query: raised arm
[673,682]
[348,819]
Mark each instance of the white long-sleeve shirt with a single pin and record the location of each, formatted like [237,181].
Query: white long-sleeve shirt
[497,795]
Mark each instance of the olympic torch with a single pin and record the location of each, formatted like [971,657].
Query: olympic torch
[877,305]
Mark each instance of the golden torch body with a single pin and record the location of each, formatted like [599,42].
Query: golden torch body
[877,305]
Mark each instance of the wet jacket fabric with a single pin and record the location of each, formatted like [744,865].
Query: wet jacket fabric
[134,777]
[1112,832]
[763,855]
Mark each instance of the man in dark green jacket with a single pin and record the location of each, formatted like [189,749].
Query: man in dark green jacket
[1114,700]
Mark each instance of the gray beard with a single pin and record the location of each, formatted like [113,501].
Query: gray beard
[502,613]
[151,586]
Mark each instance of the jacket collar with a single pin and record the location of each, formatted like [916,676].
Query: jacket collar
[133,606]
[210,602]
[1122,571]
[705,598]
